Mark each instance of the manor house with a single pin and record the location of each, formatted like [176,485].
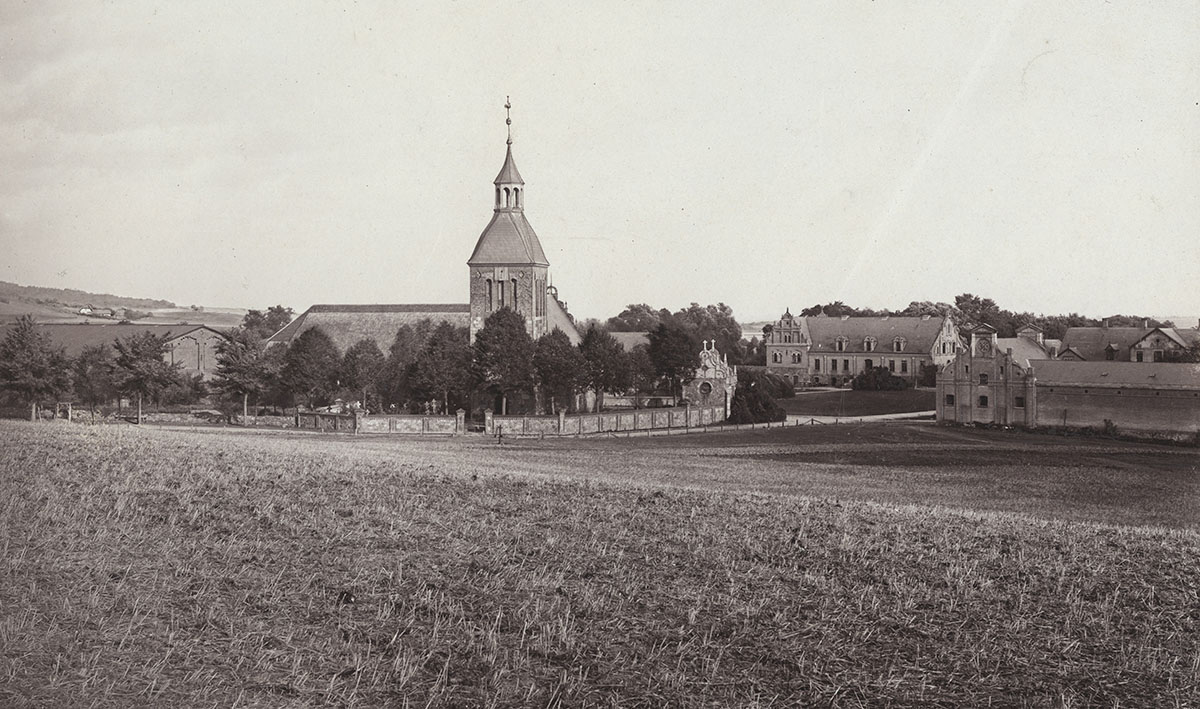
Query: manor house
[508,268]
[822,350]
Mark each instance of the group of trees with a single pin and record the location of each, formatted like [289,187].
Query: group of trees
[435,367]
[969,310]
[34,371]
[710,322]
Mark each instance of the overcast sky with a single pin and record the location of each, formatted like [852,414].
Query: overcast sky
[1046,155]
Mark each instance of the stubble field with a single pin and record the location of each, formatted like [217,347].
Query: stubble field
[873,565]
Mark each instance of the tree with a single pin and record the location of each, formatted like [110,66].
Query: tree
[603,368]
[310,367]
[714,322]
[503,355]
[243,367]
[560,366]
[878,379]
[362,367]
[1189,354]
[142,371]
[95,377]
[260,326]
[443,369]
[405,350]
[637,318]
[639,371]
[752,401]
[676,355]
[31,367]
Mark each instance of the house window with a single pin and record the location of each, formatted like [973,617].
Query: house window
[1019,402]
[870,364]
[816,365]
[904,366]
[841,344]
[983,402]
[898,344]
[833,365]
[869,344]
[1158,355]
[845,365]
[787,339]
[892,365]
[949,400]
[983,379]
[1140,356]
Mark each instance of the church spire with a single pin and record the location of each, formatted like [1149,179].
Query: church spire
[510,188]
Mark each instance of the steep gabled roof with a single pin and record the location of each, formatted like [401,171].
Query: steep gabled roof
[1090,342]
[347,324]
[557,317]
[508,240]
[919,333]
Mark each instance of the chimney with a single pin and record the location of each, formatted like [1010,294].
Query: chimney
[1145,324]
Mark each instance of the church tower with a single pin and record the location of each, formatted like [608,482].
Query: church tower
[508,267]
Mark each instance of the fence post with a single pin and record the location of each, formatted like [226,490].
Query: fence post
[489,426]
[562,421]
[460,422]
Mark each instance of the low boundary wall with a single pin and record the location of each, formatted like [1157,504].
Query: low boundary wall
[681,417]
[387,424]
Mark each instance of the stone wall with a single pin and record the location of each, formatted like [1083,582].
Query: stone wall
[1169,413]
[682,417]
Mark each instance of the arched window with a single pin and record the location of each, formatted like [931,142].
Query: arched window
[514,294]
[490,303]
[517,197]
[500,294]
[869,344]
[787,338]
[497,196]
[841,344]
[507,198]
[898,344]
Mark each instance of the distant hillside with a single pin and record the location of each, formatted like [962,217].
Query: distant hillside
[70,305]
[70,297]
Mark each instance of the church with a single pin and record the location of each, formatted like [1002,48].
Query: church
[507,268]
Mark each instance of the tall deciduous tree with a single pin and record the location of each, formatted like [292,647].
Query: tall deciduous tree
[261,325]
[142,371]
[605,370]
[714,322]
[95,377]
[504,355]
[403,353]
[310,367]
[443,369]
[561,368]
[31,367]
[676,355]
[640,372]
[243,368]
[362,368]
[638,317]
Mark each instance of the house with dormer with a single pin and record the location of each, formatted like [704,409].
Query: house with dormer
[830,351]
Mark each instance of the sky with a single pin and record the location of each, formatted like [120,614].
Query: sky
[771,155]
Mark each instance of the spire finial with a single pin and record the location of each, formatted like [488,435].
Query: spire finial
[508,117]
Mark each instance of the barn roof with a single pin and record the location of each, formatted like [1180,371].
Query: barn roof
[347,324]
[1091,342]
[1129,374]
[1023,349]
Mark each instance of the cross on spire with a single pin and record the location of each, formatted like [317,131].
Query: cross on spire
[508,117]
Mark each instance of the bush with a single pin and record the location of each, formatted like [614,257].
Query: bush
[927,376]
[878,379]
[752,401]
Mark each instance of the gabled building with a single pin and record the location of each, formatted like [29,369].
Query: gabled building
[192,347]
[823,350]
[991,384]
[1125,344]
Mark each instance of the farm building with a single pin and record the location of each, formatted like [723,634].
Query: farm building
[193,347]
[507,268]
[1126,344]
[997,385]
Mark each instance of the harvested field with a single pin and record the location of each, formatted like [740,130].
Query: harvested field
[173,568]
